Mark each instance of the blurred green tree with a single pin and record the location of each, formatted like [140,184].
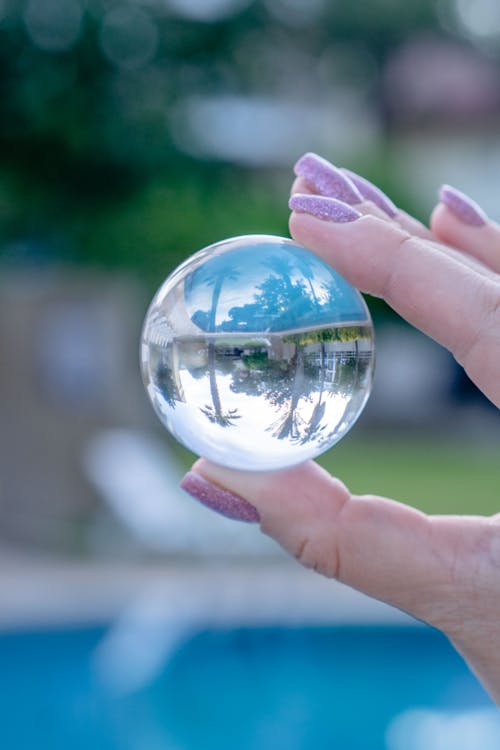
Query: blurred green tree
[94,166]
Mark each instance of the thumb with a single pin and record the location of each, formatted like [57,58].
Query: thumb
[378,546]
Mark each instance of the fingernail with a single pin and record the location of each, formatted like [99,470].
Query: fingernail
[217,498]
[463,207]
[372,193]
[327,179]
[323,208]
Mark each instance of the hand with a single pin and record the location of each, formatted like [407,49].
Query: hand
[445,280]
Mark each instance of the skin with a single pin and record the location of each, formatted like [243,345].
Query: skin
[445,570]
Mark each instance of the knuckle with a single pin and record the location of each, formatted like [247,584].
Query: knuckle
[486,328]
[493,544]
[392,279]
[323,559]
[301,553]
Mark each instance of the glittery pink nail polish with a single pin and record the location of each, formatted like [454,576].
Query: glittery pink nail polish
[217,498]
[322,207]
[463,207]
[372,193]
[326,179]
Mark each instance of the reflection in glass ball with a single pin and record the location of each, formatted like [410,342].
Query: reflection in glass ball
[256,354]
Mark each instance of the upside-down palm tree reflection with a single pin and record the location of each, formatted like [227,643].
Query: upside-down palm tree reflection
[314,426]
[165,382]
[165,378]
[289,423]
[283,383]
[281,291]
[214,412]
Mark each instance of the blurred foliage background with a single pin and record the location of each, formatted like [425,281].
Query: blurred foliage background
[134,133]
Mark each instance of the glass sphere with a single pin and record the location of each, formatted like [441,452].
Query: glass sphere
[256,354]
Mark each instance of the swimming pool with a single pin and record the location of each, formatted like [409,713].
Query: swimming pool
[268,688]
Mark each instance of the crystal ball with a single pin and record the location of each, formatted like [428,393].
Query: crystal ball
[256,354]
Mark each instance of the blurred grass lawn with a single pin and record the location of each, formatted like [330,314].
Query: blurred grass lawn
[435,475]
[432,474]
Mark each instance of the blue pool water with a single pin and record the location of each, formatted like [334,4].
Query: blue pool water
[246,689]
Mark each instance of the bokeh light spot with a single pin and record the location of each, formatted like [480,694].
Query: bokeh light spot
[296,12]
[208,10]
[53,25]
[129,37]
[481,18]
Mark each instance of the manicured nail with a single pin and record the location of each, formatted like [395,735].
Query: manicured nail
[372,193]
[462,206]
[323,208]
[326,179]
[217,498]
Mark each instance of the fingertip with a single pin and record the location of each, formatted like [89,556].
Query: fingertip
[300,185]
[373,194]
[442,221]
[245,484]
[322,235]
[482,242]
[215,495]
[309,231]
[452,230]
[354,248]
[462,206]
[291,492]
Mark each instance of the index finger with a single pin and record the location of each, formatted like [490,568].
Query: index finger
[454,304]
